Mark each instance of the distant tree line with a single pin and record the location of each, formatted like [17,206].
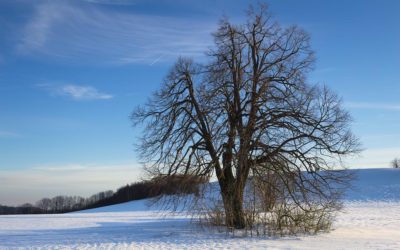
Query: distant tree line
[26,208]
[161,185]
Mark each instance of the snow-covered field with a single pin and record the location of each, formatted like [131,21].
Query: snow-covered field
[370,220]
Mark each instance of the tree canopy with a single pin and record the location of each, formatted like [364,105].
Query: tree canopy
[247,112]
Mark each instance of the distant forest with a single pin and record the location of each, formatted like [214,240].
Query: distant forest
[164,185]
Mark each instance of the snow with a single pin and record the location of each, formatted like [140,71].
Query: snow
[375,184]
[370,220]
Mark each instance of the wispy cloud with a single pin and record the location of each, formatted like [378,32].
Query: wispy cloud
[8,134]
[88,33]
[324,70]
[76,92]
[61,168]
[112,2]
[374,158]
[372,105]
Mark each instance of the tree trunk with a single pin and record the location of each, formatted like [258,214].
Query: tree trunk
[232,196]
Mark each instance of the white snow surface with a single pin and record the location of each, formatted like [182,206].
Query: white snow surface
[370,220]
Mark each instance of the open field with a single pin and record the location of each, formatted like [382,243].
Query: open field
[370,220]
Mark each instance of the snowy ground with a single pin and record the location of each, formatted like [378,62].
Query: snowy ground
[370,220]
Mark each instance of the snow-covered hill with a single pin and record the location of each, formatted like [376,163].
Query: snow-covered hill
[370,220]
[375,184]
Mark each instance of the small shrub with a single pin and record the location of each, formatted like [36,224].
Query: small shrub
[273,212]
[282,220]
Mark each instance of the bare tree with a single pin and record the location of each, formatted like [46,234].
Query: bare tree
[249,111]
[395,163]
[44,204]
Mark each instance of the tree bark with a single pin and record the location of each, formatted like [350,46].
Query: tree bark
[232,196]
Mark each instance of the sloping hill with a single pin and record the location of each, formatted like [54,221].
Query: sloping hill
[131,206]
[375,184]
[379,184]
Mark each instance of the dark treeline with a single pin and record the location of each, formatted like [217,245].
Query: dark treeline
[23,209]
[135,191]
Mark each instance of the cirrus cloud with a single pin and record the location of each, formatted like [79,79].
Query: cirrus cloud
[76,92]
[8,134]
[373,105]
[87,33]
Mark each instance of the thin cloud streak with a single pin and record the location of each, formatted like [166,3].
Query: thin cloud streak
[76,92]
[156,60]
[112,2]
[85,33]
[74,167]
[372,105]
[83,92]
[374,158]
[8,134]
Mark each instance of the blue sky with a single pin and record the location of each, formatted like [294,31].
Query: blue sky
[72,71]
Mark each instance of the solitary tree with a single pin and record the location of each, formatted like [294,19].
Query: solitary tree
[248,112]
[396,163]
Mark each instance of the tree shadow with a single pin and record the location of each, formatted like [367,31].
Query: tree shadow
[140,231]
